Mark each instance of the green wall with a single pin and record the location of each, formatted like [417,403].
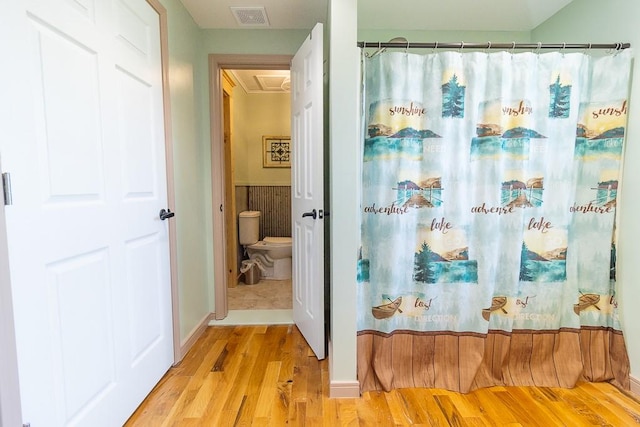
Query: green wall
[189,168]
[591,21]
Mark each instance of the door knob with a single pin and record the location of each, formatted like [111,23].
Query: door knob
[312,214]
[164,214]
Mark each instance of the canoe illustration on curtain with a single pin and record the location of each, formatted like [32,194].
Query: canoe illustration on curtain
[585,301]
[505,130]
[396,129]
[600,130]
[387,310]
[497,303]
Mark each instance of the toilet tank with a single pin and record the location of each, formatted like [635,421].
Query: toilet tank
[249,227]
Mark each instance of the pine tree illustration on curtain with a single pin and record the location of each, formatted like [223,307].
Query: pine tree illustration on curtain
[560,97]
[453,98]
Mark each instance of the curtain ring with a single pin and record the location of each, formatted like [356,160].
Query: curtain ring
[435,48]
[588,49]
[488,47]
[618,48]
[539,47]
[513,48]
[406,49]
[461,47]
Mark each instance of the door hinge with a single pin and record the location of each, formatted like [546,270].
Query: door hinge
[6,188]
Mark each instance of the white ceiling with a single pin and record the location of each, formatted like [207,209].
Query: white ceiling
[262,81]
[471,15]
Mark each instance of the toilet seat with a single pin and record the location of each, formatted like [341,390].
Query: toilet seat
[277,241]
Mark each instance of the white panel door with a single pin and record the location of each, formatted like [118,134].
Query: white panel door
[307,198]
[89,257]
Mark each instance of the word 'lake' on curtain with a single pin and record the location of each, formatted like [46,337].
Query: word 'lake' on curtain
[488,244]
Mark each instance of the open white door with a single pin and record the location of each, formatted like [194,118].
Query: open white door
[307,198]
[88,254]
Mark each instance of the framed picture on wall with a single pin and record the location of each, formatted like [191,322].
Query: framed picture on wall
[276,151]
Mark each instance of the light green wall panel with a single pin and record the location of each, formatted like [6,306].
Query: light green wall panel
[191,219]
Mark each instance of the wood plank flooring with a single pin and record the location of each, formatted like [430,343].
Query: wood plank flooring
[268,376]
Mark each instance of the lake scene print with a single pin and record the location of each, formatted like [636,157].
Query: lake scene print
[443,257]
[522,193]
[396,129]
[600,131]
[505,129]
[544,256]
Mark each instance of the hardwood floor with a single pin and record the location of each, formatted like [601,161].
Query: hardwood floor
[268,376]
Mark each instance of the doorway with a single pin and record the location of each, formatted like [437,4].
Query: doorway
[257,125]
[231,196]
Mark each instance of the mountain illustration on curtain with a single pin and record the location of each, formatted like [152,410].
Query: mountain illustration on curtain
[505,127]
[560,100]
[427,194]
[395,129]
[451,267]
[453,95]
[601,130]
[547,266]
[519,194]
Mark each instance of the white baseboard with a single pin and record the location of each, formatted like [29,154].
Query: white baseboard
[635,385]
[193,336]
[340,389]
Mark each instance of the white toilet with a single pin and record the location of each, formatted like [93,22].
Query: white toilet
[272,253]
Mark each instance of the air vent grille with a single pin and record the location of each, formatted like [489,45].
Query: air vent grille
[250,16]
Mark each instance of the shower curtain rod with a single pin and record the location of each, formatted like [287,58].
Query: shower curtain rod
[489,45]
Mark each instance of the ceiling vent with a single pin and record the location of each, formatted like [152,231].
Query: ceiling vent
[255,16]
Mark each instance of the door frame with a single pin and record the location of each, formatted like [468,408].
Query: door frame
[217,63]
[178,350]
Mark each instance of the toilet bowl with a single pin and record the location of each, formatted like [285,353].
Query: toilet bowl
[276,247]
[274,254]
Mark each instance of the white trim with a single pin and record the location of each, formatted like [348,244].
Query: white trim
[344,389]
[192,337]
[635,385]
[171,197]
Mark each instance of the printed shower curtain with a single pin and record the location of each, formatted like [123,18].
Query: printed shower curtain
[488,241]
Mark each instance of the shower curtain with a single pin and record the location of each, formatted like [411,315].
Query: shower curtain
[488,238]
